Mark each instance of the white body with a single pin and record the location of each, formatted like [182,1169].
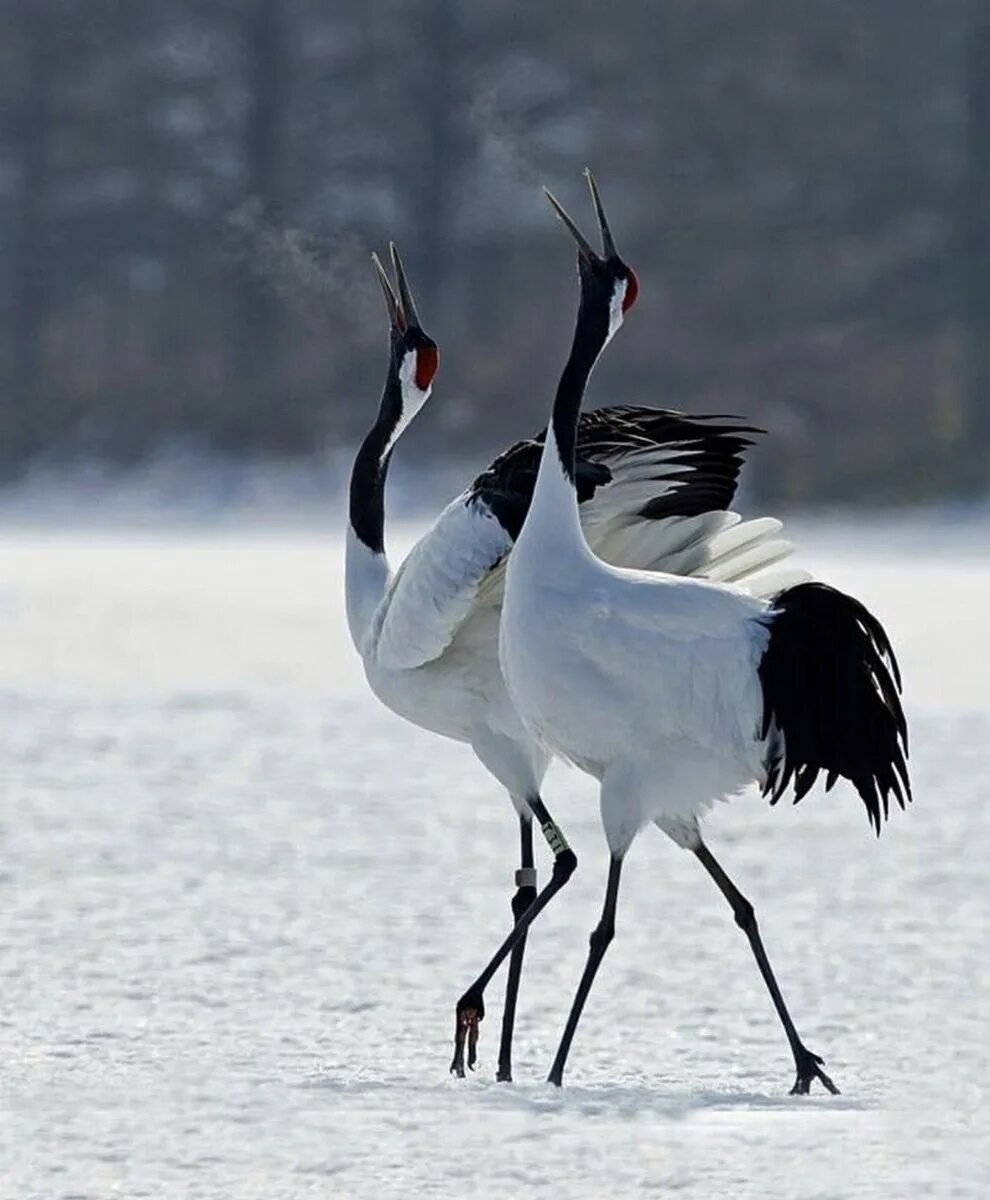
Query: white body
[454,689]
[644,680]
[428,636]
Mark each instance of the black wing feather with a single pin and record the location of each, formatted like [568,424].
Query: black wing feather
[831,700]
[701,479]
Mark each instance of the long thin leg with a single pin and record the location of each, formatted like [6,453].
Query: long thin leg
[471,1006]
[524,897]
[808,1065]
[597,945]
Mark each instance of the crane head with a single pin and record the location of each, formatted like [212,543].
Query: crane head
[415,357]
[606,280]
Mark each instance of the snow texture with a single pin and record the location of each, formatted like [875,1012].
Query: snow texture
[238,900]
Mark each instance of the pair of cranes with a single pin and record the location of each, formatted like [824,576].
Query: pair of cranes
[592,595]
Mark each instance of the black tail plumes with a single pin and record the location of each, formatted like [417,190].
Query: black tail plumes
[831,700]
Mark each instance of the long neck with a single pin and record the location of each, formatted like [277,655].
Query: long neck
[367,571]
[587,346]
[554,509]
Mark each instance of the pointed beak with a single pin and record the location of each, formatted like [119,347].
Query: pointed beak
[608,243]
[584,246]
[405,295]
[391,300]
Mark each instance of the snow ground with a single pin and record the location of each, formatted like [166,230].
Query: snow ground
[238,901]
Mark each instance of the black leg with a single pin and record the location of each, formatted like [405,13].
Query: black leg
[598,944]
[808,1065]
[471,1006]
[524,897]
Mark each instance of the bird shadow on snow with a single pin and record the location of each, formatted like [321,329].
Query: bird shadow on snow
[606,1100]
[627,1100]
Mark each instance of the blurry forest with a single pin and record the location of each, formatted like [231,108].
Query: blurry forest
[189,191]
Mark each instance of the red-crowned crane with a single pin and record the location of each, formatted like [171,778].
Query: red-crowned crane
[653,491]
[676,692]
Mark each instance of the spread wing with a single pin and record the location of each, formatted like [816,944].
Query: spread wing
[654,488]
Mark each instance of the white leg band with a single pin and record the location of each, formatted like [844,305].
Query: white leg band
[526,877]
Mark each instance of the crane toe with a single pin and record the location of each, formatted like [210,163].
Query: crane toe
[809,1068]
[470,1014]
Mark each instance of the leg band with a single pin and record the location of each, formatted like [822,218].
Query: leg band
[555,839]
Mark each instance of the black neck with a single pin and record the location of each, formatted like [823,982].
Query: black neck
[590,336]
[367,497]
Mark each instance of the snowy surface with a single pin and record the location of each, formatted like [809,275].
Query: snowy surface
[238,901]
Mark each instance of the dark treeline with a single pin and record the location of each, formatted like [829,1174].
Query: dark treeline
[189,190]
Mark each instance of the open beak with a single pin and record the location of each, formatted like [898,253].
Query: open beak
[401,307]
[584,247]
[391,300]
[405,295]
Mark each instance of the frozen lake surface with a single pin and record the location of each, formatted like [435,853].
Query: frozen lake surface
[238,900]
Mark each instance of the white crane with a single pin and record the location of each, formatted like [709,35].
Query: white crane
[653,488]
[676,692]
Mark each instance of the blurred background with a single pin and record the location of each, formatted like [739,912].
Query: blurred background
[238,897]
[189,191]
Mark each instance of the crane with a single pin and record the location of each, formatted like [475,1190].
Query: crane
[674,692]
[654,490]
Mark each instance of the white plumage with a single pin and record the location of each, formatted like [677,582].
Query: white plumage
[655,486]
[638,673]
[675,692]
[430,644]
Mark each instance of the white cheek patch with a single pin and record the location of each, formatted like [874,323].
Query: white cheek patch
[413,396]
[615,311]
